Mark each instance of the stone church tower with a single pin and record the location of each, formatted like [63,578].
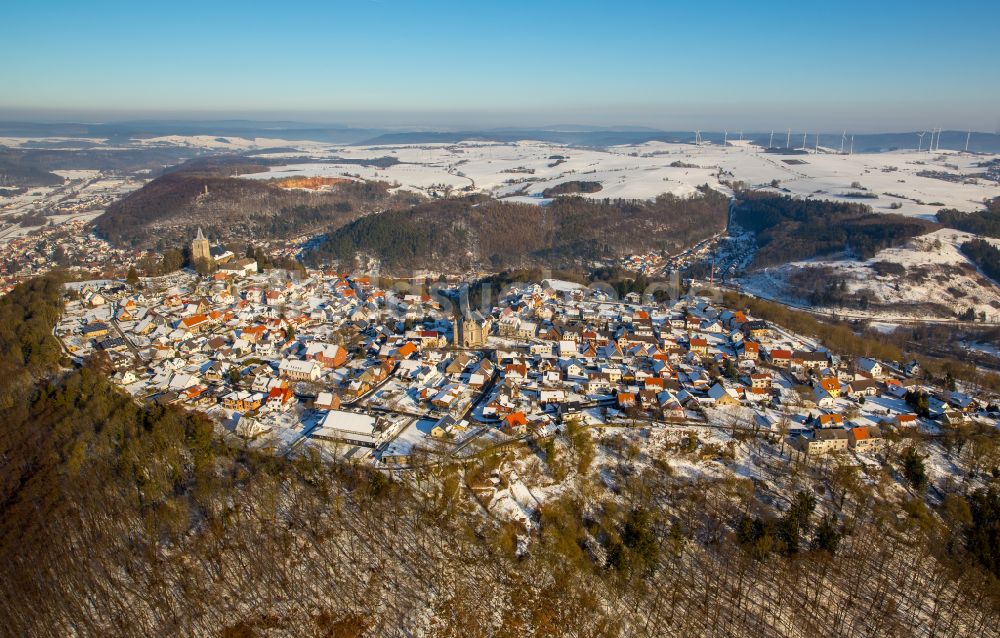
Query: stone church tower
[199,248]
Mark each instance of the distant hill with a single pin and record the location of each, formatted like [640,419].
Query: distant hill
[979,142]
[170,208]
[16,172]
[580,135]
[122,131]
[481,233]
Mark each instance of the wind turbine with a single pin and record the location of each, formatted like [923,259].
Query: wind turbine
[817,141]
[852,145]
[968,136]
[788,140]
[920,140]
[741,136]
[804,141]
[770,143]
[725,138]
[697,137]
[843,138]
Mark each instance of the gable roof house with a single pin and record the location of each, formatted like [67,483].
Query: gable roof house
[299,370]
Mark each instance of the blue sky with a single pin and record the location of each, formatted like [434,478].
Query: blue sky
[862,65]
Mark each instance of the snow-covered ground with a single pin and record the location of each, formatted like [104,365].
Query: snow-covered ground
[935,271]
[525,169]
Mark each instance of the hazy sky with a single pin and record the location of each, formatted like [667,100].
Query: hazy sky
[873,65]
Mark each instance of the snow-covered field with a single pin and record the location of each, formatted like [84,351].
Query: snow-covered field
[525,169]
[224,143]
[522,170]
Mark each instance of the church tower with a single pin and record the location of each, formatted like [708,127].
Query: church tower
[199,248]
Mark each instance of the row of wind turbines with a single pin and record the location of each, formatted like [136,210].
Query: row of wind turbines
[935,141]
[934,147]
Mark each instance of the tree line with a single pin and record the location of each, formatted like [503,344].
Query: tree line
[985,255]
[985,222]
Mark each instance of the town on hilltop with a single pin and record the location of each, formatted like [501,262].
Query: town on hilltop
[398,380]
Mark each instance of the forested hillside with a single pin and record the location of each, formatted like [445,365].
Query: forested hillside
[789,229]
[171,207]
[478,232]
[985,222]
[985,255]
[18,172]
[123,520]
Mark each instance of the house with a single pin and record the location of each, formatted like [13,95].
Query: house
[299,370]
[504,403]
[598,384]
[408,349]
[825,441]
[245,266]
[515,424]
[781,358]
[699,346]
[721,396]
[567,348]
[961,402]
[755,329]
[862,388]
[831,385]
[953,418]
[446,396]
[865,438]
[481,374]
[327,401]
[808,359]
[242,400]
[458,364]
[551,395]
[194,323]
[516,373]
[112,343]
[749,350]
[431,339]
[95,329]
[279,398]
[670,407]
[626,400]
[869,366]
[328,355]
[126,377]
[830,421]
[823,398]
[526,330]
[349,427]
